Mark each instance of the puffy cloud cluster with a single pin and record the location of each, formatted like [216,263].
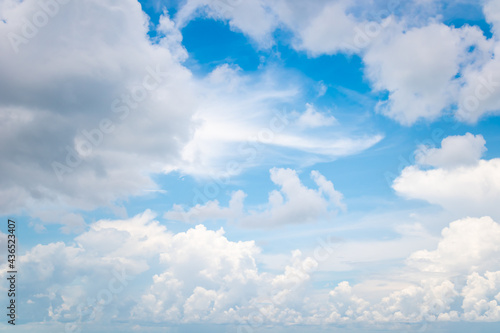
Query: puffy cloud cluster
[205,275]
[194,276]
[482,297]
[459,180]
[477,240]
[294,203]
[459,280]
[459,277]
[136,270]
[418,68]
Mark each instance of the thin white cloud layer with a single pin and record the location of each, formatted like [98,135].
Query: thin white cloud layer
[250,17]
[293,203]
[459,181]
[250,120]
[312,118]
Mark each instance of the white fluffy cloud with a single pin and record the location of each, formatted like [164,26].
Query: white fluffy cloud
[331,31]
[136,270]
[482,297]
[459,280]
[418,68]
[205,275]
[455,151]
[480,94]
[73,93]
[294,203]
[460,181]
[476,239]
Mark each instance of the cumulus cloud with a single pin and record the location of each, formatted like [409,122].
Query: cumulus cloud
[458,280]
[293,203]
[460,181]
[482,297]
[455,151]
[480,95]
[204,275]
[476,241]
[346,306]
[201,276]
[193,276]
[73,92]
[319,27]
[418,68]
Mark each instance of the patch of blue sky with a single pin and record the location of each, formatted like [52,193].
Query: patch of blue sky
[29,232]
[459,14]
[211,43]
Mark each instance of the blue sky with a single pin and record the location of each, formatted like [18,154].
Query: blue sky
[252,165]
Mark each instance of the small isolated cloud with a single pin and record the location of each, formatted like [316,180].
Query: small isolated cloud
[311,118]
[459,181]
[293,203]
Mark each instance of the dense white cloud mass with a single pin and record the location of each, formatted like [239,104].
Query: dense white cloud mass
[477,241]
[417,67]
[201,276]
[460,181]
[73,92]
[294,203]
